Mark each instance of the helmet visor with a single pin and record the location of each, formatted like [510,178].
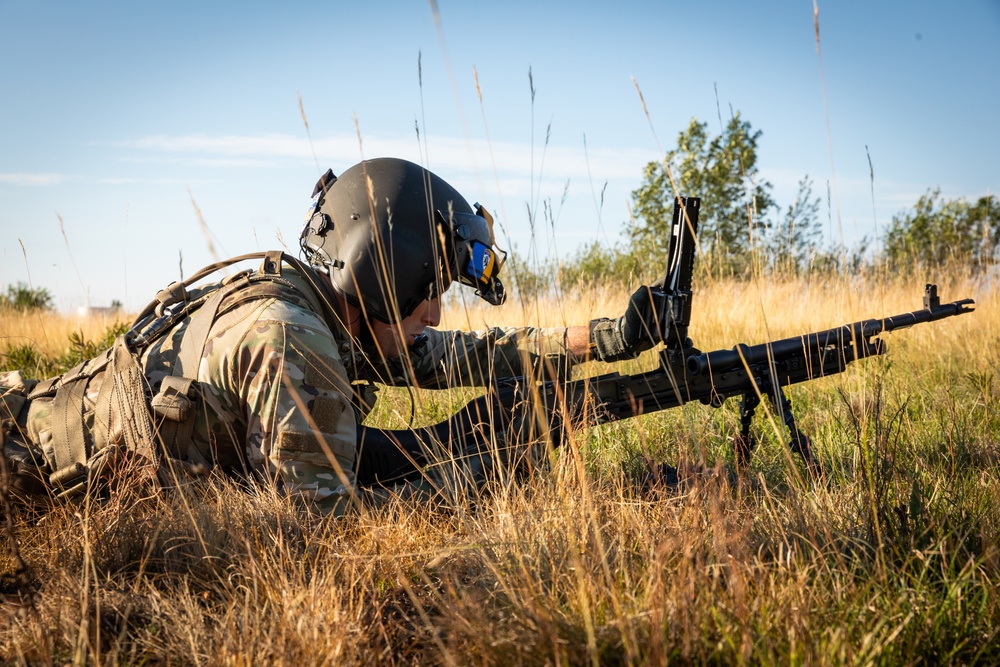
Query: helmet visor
[477,260]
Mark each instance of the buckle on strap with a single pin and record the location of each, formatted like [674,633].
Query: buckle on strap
[272,263]
[173,293]
[176,399]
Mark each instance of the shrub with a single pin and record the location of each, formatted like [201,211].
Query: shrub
[25,297]
[939,232]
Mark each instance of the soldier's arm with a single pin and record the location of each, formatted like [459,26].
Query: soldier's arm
[296,396]
[464,358]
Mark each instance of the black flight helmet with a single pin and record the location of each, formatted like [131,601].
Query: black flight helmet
[391,234]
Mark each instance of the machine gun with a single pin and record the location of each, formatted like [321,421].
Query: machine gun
[685,374]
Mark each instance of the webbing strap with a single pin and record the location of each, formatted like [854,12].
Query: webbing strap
[173,435]
[45,388]
[191,347]
[128,401]
[69,435]
[120,410]
[192,344]
[69,444]
[272,263]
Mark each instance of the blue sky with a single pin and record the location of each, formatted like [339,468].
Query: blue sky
[120,117]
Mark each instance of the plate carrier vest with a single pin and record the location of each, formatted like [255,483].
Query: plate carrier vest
[157,427]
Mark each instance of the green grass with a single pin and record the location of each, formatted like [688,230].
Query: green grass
[892,558]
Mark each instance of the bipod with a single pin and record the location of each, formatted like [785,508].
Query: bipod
[745,442]
[800,443]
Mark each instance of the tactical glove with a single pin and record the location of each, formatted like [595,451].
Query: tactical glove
[628,335]
[492,437]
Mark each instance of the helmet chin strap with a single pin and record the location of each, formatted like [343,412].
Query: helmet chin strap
[349,315]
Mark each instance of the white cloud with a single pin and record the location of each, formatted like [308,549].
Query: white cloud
[200,161]
[448,155]
[504,176]
[226,145]
[127,180]
[29,180]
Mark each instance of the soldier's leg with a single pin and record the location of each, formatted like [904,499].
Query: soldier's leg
[27,468]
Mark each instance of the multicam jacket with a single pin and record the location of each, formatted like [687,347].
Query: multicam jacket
[282,390]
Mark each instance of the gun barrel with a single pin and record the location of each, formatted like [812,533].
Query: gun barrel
[905,320]
[849,342]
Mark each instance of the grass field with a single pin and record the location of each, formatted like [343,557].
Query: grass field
[893,557]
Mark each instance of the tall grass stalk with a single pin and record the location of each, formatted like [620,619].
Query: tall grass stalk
[893,558]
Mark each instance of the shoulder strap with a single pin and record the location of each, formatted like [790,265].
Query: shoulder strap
[192,345]
[271,266]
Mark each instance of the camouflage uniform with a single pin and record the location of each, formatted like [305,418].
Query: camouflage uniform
[282,391]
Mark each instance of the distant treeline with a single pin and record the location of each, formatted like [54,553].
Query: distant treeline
[744,231]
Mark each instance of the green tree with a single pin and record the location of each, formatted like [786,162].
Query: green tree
[938,231]
[722,170]
[794,241]
[531,279]
[598,264]
[24,297]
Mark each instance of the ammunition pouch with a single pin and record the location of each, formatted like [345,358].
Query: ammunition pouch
[176,405]
[120,416]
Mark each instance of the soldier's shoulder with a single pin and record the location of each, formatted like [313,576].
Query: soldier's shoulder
[291,313]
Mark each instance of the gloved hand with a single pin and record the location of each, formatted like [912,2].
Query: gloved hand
[628,335]
[496,434]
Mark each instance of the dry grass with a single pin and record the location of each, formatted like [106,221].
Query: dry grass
[48,331]
[892,559]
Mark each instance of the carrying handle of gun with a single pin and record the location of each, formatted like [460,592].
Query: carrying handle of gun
[683,244]
[672,297]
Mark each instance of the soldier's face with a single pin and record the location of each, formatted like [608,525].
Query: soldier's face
[395,339]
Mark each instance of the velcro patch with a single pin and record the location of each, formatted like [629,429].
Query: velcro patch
[326,413]
[321,372]
[315,443]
